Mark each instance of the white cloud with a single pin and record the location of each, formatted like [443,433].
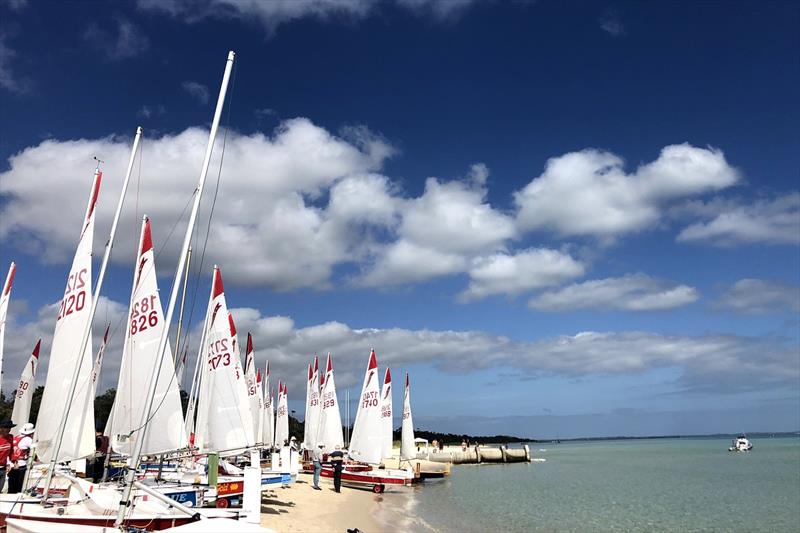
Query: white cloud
[726,363]
[589,193]
[633,292]
[774,221]
[405,262]
[524,271]
[272,14]
[267,228]
[147,111]
[757,296]
[196,90]
[611,24]
[129,40]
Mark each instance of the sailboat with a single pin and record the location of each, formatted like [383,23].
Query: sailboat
[5,296]
[312,406]
[408,449]
[281,418]
[367,441]
[139,357]
[253,388]
[98,362]
[386,414]
[329,430]
[24,396]
[268,427]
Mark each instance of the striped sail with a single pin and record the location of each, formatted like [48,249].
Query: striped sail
[366,443]
[253,397]
[71,323]
[329,432]
[24,397]
[386,414]
[140,357]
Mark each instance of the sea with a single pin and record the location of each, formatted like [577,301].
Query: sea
[686,484]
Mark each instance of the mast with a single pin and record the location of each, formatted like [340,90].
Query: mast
[88,330]
[183,302]
[162,344]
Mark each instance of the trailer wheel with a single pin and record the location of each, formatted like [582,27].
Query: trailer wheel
[222,503]
[378,489]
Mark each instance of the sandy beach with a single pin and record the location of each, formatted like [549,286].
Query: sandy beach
[299,508]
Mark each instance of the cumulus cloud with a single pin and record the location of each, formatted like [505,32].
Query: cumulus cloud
[271,15]
[196,90]
[128,41]
[267,228]
[521,272]
[588,193]
[757,296]
[729,361]
[633,292]
[775,221]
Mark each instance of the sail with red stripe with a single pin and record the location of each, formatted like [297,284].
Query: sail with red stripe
[386,414]
[71,323]
[366,443]
[408,449]
[24,396]
[5,296]
[329,429]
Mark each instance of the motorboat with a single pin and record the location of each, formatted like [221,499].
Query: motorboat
[740,444]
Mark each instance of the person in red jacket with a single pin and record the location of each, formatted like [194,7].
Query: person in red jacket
[6,446]
[19,458]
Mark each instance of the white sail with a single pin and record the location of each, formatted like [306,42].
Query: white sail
[386,414]
[408,449]
[281,417]
[221,424]
[71,323]
[253,396]
[306,424]
[245,411]
[366,443]
[98,362]
[329,432]
[24,396]
[5,296]
[261,418]
[268,426]
[139,358]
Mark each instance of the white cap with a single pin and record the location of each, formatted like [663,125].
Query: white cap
[27,429]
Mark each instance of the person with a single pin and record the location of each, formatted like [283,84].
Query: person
[19,458]
[293,443]
[101,451]
[463,445]
[337,460]
[317,457]
[6,445]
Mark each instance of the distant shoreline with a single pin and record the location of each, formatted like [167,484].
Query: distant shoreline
[450,438]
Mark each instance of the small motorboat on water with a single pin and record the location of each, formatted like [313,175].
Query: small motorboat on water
[740,444]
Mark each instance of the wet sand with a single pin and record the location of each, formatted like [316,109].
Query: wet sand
[300,508]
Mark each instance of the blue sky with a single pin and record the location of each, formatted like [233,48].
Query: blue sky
[562,218]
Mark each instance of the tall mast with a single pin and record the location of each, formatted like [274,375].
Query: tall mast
[162,343]
[183,302]
[88,330]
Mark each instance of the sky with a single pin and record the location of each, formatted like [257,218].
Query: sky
[563,219]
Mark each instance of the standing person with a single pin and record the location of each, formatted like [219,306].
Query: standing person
[6,445]
[19,458]
[317,456]
[337,460]
[101,450]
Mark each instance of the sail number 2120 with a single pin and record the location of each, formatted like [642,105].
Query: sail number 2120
[74,295]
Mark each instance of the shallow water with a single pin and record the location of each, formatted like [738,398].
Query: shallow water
[642,485]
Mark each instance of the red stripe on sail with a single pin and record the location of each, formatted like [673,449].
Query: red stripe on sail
[330,363]
[309,373]
[316,363]
[98,177]
[10,281]
[250,344]
[267,368]
[147,238]
[36,349]
[388,378]
[406,379]
[258,375]
[233,326]
[218,288]
[373,362]
[105,335]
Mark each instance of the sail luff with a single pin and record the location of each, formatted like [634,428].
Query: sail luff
[252,388]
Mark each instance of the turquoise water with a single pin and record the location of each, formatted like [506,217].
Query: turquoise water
[652,485]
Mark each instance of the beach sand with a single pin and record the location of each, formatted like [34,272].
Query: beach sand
[300,508]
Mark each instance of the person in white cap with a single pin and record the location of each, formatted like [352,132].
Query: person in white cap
[19,458]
